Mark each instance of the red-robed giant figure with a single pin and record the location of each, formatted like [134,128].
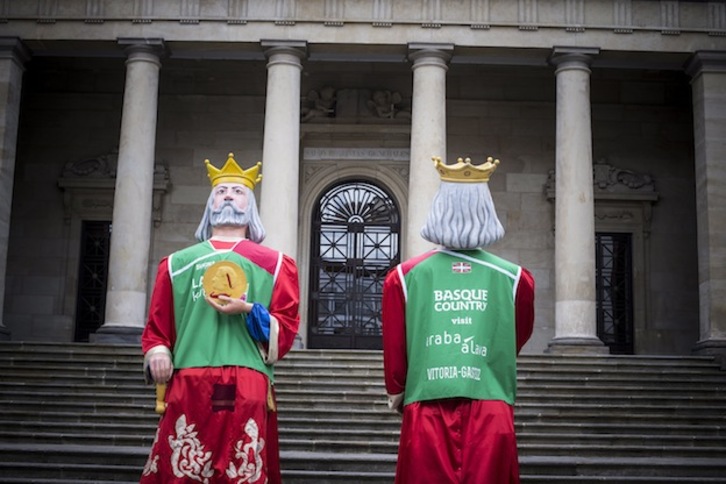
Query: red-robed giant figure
[454,320]
[222,313]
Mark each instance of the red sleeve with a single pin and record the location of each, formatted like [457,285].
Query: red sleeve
[524,308]
[394,334]
[160,328]
[285,304]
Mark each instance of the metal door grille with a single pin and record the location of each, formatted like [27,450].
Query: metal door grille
[614,288]
[355,241]
[92,278]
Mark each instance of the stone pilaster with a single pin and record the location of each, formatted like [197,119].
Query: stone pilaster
[428,137]
[132,209]
[13,55]
[575,305]
[281,149]
[708,70]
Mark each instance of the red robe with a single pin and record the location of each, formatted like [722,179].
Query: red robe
[210,431]
[454,440]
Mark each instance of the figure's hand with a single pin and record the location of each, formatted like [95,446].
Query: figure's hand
[230,306]
[160,367]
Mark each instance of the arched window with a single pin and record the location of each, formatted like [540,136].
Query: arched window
[355,241]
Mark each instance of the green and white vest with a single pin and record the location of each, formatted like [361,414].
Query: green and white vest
[205,337]
[460,326]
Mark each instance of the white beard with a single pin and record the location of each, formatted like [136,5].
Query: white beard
[227,215]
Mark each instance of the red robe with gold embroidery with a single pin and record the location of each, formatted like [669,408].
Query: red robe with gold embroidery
[219,426]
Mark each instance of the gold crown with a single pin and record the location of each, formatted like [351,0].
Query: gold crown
[232,173]
[464,172]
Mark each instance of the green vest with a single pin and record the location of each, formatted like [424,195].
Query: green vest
[460,327]
[205,337]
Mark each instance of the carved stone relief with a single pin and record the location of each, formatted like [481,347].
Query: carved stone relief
[353,104]
[613,183]
[89,186]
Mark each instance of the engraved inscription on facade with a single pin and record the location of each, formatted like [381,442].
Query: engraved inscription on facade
[402,154]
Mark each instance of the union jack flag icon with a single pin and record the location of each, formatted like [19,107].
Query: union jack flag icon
[461,267]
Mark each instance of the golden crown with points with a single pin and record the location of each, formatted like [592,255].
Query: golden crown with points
[232,173]
[464,172]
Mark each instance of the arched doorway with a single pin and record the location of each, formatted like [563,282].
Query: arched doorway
[355,241]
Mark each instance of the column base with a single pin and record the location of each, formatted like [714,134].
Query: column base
[712,347]
[116,335]
[297,343]
[4,334]
[577,346]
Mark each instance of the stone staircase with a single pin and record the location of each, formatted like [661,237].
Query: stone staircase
[80,413]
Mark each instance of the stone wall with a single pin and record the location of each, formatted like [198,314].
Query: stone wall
[641,122]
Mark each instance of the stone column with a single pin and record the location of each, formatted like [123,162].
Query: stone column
[428,137]
[281,145]
[575,307]
[132,207]
[708,70]
[13,54]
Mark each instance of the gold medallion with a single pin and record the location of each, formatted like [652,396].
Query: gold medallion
[224,278]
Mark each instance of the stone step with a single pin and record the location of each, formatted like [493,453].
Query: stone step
[604,402]
[108,427]
[715,382]
[317,477]
[612,450]
[27,472]
[121,416]
[362,442]
[303,360]
[86,376]
[70,383]
[702,432]
[372,467]
[555,448]
[580,419]
[72,437]
[134,349]
[691,436]
[705,436]
[607,363]
[81,408]
[100,377]
[66,454]
[623,388]
[607,467]
[27,396]
[534,479]
[56,480]
[656,416]
[560,395]
[333,477]
[130,354]
[610,408]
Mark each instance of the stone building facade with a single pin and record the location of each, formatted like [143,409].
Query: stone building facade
[608,116]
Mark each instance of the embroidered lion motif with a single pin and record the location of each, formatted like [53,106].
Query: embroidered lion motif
[250,468]
[188,458]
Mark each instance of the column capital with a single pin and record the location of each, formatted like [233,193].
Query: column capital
[133,45]
[298,48]
[706,61]
[14,48]
[571,56]
[420,50]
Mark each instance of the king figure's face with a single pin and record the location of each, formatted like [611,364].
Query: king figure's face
[229,205]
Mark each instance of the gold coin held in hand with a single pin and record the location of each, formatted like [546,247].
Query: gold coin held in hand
[224,278]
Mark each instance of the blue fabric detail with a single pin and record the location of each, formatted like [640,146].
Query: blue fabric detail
[258,323]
